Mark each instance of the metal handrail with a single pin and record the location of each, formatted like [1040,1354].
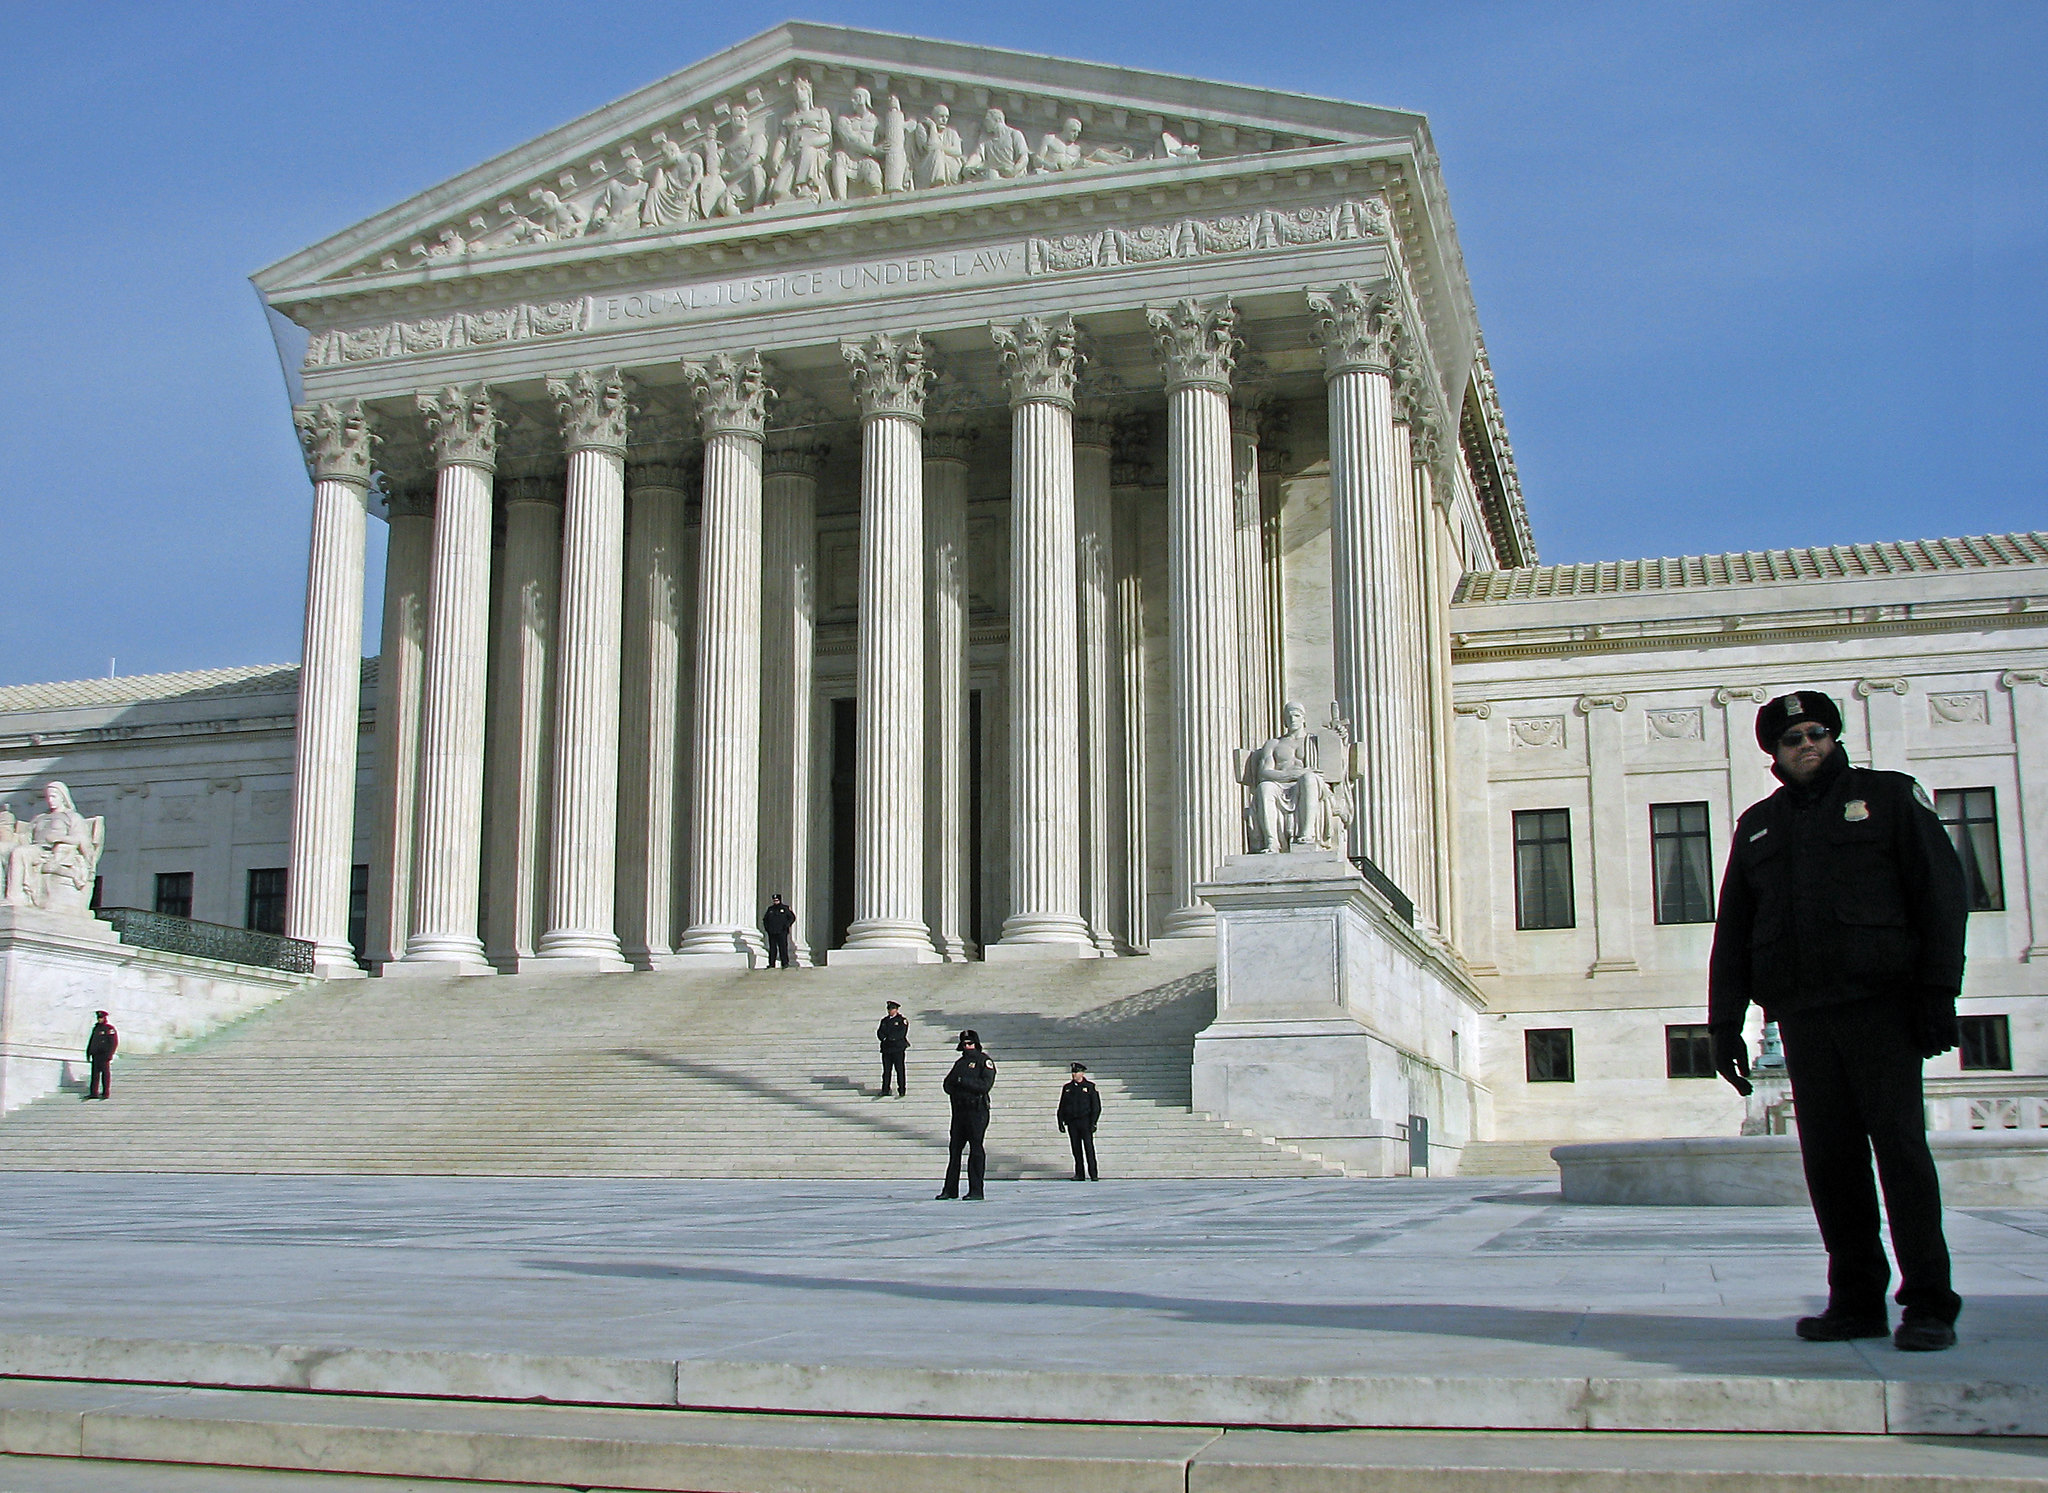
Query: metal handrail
[176,935]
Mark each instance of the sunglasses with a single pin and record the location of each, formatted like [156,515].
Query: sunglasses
[1811,733]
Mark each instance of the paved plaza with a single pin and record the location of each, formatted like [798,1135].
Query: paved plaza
[1458,1290]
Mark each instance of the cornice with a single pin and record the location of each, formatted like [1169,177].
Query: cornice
[1471,645]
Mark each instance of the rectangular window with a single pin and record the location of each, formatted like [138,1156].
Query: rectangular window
[1548,1053]
[174,893]
[1987,1044]
[1688,1052]
[1543,869]
[265,912]
[1681,863]
[1971,817]
[358,909]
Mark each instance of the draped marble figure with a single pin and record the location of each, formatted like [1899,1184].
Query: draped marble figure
[1294,804]
[50,861]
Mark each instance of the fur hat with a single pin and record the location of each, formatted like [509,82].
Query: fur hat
[1779,715]
[970,1035]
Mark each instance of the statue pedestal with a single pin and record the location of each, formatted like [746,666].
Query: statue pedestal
[1336,1023]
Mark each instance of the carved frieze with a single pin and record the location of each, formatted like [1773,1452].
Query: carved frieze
[463,423]
[591,405]
[794,142]
[889,374]
[1263,229]
[732,394]
[1197,342]
[1959,708]
[338,440]
[1039,358]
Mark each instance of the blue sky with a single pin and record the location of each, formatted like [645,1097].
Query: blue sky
[1752,274]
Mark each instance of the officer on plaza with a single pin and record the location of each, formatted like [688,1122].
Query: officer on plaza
[967,1086]
[1842,915]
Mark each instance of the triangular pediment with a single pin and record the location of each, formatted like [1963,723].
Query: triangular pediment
[809,119]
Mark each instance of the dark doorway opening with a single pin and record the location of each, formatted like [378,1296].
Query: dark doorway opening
[843,719]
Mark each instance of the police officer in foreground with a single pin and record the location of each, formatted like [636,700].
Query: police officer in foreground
[1842,915]
[967,1086]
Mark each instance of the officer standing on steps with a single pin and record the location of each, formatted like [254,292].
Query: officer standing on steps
[967,1086]
[100,1048]
[1842,915]
[1080,1112]
[776,921]
[893,1033]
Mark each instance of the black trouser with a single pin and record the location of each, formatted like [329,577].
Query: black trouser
[1855,1074]
[892,1062]
[1083,1142]
[778,950]
[101,1082]
[967,1131]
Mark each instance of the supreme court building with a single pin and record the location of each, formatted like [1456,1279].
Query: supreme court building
[905,476]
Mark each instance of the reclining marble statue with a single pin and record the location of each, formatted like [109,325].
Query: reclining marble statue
[1293,801]
[49,862]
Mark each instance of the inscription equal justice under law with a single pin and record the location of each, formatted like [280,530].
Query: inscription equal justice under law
[844,282]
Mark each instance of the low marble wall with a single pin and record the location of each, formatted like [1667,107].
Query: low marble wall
[55,971]
[1979,1169]
[1335,1021]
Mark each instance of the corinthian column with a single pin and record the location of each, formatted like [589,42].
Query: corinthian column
[889,382]
[796,451]
[1258,710]
[522,705]
[1197,346]
[1101,774]
[1357,326]
[338,444]
[650,680]
[946,849]
[725,775]
[400,666]
[584,822]
[1045,749]
[448,843]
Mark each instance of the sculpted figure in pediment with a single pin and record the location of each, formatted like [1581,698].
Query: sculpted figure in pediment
[1063,151]
[1173,148]
[618,206]
[714,192]
[894,148]
[940,156]
[449,245]
[802,155]
[552,219]
[746,164]
[1001,154]
[673,198]
[857,163]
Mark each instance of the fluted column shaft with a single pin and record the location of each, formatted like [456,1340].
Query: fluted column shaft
[1130,767]
[946,820]
[330,688]
[584,817]
[649,684]
[1440,764]
[1256,688]
[890,378]
[789,599]
[447,846]
[1404,597]
[522,737]
[401,663]
[725,775]
[1197,350]
[1101,725]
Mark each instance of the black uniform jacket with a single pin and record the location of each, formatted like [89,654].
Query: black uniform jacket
[894,1033]
[968,1084]
[778,919]
[1841,890]
[1080,1106]
[102,1044]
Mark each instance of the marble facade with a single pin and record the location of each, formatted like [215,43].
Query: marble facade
[909,478]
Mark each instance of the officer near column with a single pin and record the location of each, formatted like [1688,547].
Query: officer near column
[893,1033]
[1842,914]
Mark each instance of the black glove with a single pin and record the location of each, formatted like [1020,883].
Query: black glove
[1935,1028]
[1731,1056]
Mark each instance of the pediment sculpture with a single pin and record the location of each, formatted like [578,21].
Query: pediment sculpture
[49,861]
[728,158]
[1300,786]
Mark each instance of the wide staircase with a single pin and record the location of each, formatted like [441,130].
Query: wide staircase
[766,1073]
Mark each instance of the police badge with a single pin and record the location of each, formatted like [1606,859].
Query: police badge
[1855,809]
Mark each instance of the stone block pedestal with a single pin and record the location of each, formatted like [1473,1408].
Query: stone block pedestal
[1335,1021]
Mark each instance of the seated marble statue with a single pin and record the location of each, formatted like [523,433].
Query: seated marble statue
[50,861]
[1295,804]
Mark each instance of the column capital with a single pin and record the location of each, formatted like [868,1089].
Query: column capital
[1358,325]
[2012,679]
[656,456]
[1865,688]
[732,394]
[339,442]
[796,434]
[1728,694]
[1477,709]
[534,487]
[591,405]
[1197,342]
[463,422]
[950,442]
[1587,704]
[1098,405]
[1039,358]
[890,374]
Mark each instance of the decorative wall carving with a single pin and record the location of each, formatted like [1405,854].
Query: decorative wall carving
[1039,358]
[591,405]
[339,443]
[1674,725]
[1537,732]
[1357,325]
[790,143]
[1197,342]
[49,861]
[1262,230]
[1959,708]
